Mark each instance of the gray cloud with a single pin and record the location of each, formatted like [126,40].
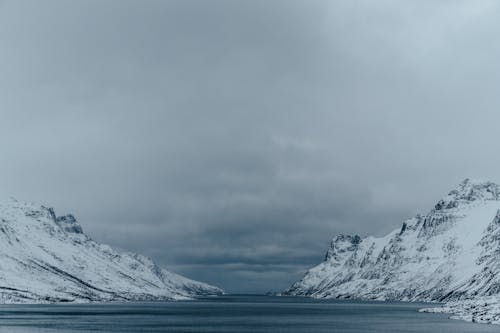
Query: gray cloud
[231,140]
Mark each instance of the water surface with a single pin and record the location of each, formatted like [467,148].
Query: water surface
[237,313]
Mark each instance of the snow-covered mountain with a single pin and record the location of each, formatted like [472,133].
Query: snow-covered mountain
[46,258]
[450,254]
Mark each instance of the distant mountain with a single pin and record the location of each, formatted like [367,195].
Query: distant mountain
[450,254]
[48,258]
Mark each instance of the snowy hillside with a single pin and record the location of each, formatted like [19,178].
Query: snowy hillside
[484,309]
[45,258]
[450,254]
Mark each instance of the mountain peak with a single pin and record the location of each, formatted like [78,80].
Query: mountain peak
[469,190]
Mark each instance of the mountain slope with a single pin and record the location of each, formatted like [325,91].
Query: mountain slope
[451,253]
[45,258]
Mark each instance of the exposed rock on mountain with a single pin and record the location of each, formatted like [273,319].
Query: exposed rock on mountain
[45,258]
[450,254]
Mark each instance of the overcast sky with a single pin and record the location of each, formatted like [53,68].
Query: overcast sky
[231,140]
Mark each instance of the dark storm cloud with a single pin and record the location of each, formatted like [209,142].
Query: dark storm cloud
[230,140]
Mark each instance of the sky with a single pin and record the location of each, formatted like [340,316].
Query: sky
[230,141]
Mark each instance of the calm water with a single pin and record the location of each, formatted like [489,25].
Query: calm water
[232,314]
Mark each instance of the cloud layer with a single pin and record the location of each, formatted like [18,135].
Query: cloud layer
[231,140]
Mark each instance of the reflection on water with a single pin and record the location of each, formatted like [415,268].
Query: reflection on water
[239,313]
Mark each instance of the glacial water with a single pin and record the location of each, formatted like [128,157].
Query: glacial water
[237,313]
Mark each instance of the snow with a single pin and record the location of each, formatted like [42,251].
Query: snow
[447,255]
[44,258]
[484,310]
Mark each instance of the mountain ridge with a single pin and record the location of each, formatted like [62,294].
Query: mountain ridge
[444,255]
[48,258]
